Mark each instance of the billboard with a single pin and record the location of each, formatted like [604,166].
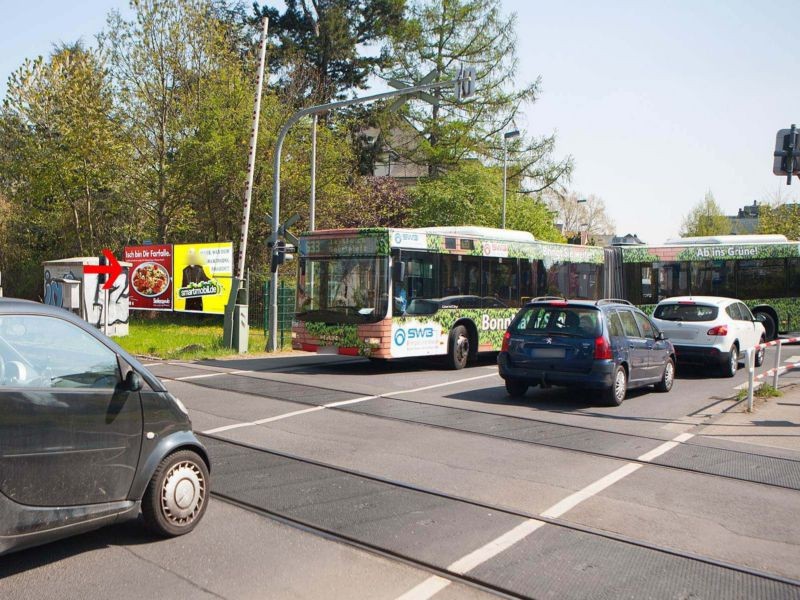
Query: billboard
[150,277]
[202,277]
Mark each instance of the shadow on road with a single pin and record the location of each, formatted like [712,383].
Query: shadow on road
[130,533]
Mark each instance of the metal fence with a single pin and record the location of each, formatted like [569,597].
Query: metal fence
[753,380]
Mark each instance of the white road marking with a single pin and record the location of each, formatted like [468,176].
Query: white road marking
[590,490]
[435,584]
[792,359]
[495,547]
[336,404]
[427,589]
[666,446]
[200,376]
[150,364]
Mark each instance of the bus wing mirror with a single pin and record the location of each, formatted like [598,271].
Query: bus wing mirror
[399,270]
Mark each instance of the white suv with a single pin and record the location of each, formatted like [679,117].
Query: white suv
[710,331]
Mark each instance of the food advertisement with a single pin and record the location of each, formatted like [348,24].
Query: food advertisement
[202,275]
[150,277]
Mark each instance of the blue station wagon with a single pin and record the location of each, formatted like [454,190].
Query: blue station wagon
[608,345]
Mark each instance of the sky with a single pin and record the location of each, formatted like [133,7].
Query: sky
[657,102]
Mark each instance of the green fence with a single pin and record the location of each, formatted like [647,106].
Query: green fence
[286,295]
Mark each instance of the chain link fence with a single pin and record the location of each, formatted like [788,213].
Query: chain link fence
[259,303]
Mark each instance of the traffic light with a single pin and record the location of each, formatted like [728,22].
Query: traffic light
[787,153]
[281,252]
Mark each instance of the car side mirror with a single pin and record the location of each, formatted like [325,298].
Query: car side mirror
[660,336]
[133,381]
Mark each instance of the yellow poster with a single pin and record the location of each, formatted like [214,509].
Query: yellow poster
[202,277]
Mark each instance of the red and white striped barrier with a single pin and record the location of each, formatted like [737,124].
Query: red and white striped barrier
[776,342]
[774,372]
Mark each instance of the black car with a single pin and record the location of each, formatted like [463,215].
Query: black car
[607,345]
[88,436]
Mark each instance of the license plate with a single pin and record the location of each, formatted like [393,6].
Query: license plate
[547,352]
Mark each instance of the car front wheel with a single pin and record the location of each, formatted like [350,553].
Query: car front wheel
[668,378]
[177,495]
[759,360]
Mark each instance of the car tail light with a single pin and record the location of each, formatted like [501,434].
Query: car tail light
[506,338]
[686,303]
[558,303]
[718,330]
[602,348]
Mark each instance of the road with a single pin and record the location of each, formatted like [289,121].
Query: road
[335,477]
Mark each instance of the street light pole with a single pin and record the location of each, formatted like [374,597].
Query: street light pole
[312,212]
[506,136]
[464,78]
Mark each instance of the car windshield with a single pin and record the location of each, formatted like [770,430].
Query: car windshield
[343,290]
[686,312]
[558,320]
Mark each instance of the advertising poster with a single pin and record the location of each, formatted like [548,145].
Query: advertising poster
[150,277]
[202,277]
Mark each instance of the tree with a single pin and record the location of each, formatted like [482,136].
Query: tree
[471,194]
[62,164]
[442,35]
[780,218]
[579,214]
[706,218]
[375,202]
[319,50]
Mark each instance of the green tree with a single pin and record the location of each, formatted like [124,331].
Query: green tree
[471,194]
[62,163]
[319,45]
[706,218]
[375,202]
[442,35]
[781,219]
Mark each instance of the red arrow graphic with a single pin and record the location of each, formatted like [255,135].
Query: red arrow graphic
[112,269]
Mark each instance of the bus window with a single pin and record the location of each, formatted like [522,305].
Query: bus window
[793,274]
[712,278]
[419,280]
[461,280]
[764,278]
[500,282]
[673,279]
[528,284]
[586,281]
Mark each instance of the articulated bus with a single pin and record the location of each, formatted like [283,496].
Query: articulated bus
[761,270]
[452,291]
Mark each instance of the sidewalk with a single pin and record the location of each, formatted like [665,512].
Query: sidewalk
[774,422]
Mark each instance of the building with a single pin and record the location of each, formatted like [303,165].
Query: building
[746,221]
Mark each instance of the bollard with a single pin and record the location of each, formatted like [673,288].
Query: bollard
[777,364]
[750,362]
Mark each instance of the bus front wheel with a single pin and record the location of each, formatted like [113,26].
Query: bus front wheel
[770,327]
[458,348]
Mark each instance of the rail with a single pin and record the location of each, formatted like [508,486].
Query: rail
[775,372]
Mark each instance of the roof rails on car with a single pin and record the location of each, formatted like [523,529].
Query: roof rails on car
[613,301]
[547,298]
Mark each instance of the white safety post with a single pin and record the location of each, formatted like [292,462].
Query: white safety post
[778,347]
[750,361]
[105,310]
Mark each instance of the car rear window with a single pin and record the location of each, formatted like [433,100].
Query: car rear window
[558,320]
[686,312]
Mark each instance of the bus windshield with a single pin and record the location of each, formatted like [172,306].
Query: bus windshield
[343,289]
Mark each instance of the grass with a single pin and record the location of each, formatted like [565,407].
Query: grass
[763,391]
[184,339]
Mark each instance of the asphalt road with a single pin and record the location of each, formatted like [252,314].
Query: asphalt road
[339,478]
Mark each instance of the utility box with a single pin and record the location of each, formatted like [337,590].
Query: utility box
[67,286]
